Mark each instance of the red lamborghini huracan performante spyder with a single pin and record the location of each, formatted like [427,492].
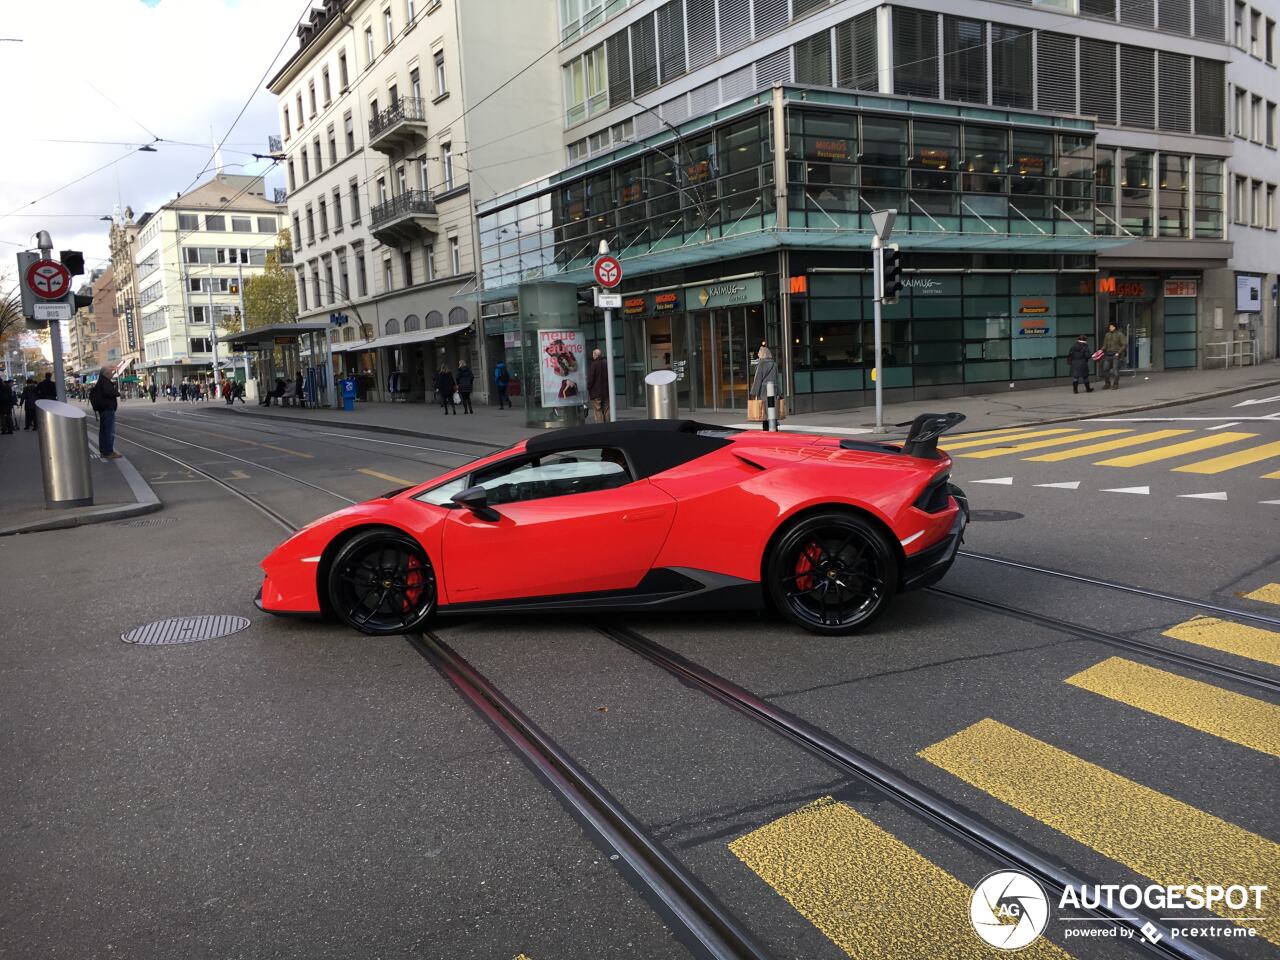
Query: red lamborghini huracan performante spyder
[639,515]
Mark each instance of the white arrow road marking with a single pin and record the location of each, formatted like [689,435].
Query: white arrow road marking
[238,475]
[1270,503]
[1202,496]
[1255,402]
[1223,426]
[1069,485]
[1001,481]
[1142,491]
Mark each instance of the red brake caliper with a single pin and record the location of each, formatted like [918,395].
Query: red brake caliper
[414,581]
[805,564]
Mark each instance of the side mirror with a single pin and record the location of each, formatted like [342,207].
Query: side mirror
[476,499]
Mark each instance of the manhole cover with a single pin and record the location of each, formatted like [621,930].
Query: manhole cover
[148,522]
[185,630]
[992,516]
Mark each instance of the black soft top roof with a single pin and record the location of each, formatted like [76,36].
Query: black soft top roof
[651,446]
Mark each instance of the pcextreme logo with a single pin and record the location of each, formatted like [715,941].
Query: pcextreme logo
[1009,910]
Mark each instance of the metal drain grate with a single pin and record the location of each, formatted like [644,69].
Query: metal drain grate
[185,630]
[991,516]
[147,522]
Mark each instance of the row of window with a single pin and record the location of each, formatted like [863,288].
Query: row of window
[1254,33]
[1255,118]
[1145,194]
[334,289]
[191,222]
[1255,203]
[232,255]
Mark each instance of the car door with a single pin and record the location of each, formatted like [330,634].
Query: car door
[571,522]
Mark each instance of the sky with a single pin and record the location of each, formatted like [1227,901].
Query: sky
[128,71]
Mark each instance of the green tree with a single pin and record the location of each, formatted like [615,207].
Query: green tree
[12,322]
[271,297]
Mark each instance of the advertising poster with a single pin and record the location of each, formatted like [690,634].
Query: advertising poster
[1034,326]
[563,367]
[1248,294]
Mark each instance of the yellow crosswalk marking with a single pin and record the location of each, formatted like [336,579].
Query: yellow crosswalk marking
[1271,476]
[1266,594]
[990,439]
[1164,839]
[1106,446]
[1041,444]
[390,478]
[1229,461]
[1253,643]
[1176,450]
[870,893]
[1201,706]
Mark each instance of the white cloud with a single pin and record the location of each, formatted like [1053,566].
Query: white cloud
[179,68]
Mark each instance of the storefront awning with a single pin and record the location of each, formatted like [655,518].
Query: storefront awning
[400,339]
[261,338]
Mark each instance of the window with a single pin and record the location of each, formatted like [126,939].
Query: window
[342,70]
[297,233]
[388,27]
[386,274]
[311,98]
[1271,206]
[382,190]
[298,101]
[1174,197]
[1255,33]
[200,345]
[242,225]
[306,166]
[402,181]
[406,262]
[393,95]
[522,479]
[315,151]
[370,54]
[355,201]
[1240,113]
[349,132]
[200,314]
[215,223]
[1271,124]
[324,218]
[302,292]
[344,290]
[422,174]
[286,122]
[415,86]
[328,279]
[1256,123]
[337,209]
[311,225]
[333,146]
[1135,192]
[446,163]
[1269,41]
[455,255]
[1255,203]
[429,261]
[1239,24]
[188,221]
[266,224]
[362,278]
[441,88]
[1242,200]
[324,86]
[315,284]
[1208,198]
[410,10]
[915,52]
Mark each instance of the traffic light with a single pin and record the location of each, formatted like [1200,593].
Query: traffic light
[235,287]
[73,260]
[890,273]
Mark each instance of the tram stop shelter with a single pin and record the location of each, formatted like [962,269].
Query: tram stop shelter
[279,352]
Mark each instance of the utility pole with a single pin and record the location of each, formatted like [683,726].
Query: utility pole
[213,338]
[244,318]
[883,221]
[608,346]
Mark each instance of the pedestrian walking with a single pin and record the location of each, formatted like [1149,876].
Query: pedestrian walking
[447,387]
[598,386]
[104,398]
[152,391]
[766,373]
[298,396]
[7,400]
[45,389]
[502,382]
[28,402]
[1114,345]
[466,382]
[1078,357]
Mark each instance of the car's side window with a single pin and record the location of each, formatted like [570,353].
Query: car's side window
[558,474]
[442,496]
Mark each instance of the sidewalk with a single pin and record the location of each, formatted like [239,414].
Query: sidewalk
[118,489]
[489,427]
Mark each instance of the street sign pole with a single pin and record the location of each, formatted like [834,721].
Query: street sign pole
[244,320]
[608,344]
[55,326]
[883,221]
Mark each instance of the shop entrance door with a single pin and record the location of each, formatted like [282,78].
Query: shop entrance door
[728,340]
[1133,319]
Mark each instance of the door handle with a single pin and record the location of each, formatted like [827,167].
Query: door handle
[641,515]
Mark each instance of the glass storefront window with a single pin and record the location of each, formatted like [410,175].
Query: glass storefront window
[1208,198]
[1136,192]
[1174,196]
[1104,193]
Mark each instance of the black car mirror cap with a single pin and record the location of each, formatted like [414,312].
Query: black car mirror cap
[476,499]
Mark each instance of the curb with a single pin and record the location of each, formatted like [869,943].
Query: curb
[145,497]
[372,428]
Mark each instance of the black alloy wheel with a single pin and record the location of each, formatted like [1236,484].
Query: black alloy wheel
[832,573]
[381,582]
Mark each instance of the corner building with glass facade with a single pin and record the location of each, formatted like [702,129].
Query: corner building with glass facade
[1054,166]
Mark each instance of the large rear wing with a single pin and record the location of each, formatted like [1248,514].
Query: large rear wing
[922,438]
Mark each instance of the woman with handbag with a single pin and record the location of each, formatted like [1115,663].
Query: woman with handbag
[757,398]
[1078,358]
[445,384]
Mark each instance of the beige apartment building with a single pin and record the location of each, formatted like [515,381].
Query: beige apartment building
[124,239]
[397,117]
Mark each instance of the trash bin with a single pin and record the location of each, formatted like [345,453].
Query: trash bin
[64,455]
[660,389]
[348,394]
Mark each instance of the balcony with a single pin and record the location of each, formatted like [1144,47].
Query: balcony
[410,216]
[399,125]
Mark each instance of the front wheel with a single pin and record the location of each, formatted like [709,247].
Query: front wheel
[832,573]
[381,582]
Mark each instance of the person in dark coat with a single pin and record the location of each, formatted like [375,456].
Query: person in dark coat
[598,386]
[1078,357]
[28,401]
[466,381]
[152,391]
[446,385]
[45,389]
[299,396]
[7,400]
[104,398]
[502,382]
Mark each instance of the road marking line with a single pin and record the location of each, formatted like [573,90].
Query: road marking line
[1041,444]
[999,481]
[1265,594]
[1271,476]
[388,477]
[1069,485]
[988,440]
[1175,450]
[1252,643]
[1107,446]
[867,891]
[1220,495]
[1164,839]
[251,443]
[1240,458]
[296,453]
[1141,491]
[1201,706]
[1223,426]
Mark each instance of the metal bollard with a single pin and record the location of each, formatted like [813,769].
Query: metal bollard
[660,389]
[771,406]
[64,455]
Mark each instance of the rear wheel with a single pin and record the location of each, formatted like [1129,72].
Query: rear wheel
[832,573]
[382,582]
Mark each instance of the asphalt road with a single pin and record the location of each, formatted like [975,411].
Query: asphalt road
[296,790]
